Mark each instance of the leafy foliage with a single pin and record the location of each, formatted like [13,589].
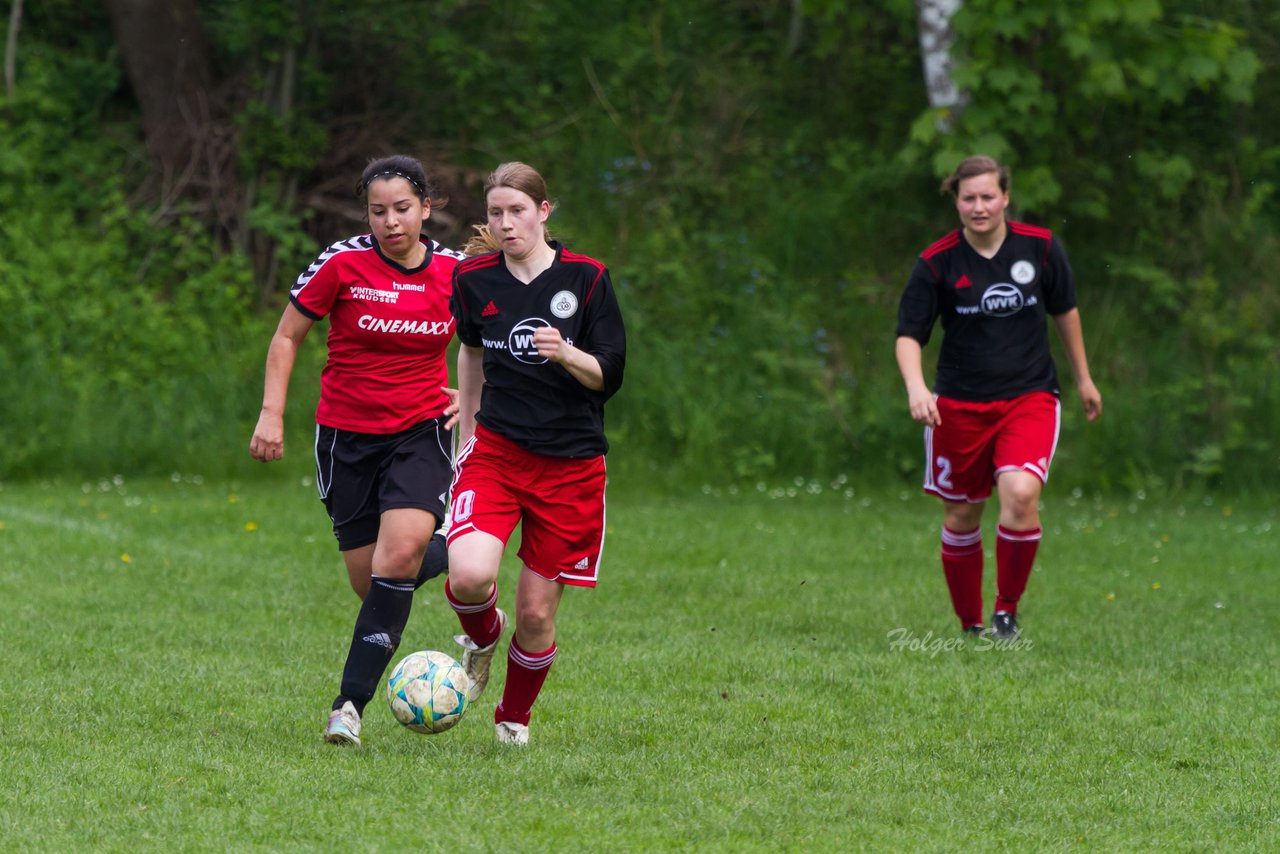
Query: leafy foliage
[757,175]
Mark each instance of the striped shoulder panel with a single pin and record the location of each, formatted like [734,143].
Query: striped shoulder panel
[477,262]
[568,257]
[362,243]
[438,249]
[1035,232]
[950,241]
[574,258]
[1030,230]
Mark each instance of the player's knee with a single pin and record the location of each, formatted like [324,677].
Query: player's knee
[536,618]
[963,517]
[1023,501]
[397,559]
[469,577]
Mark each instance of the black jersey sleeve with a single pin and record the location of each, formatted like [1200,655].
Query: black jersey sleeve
[604,334]
[918,308]
[1059,281]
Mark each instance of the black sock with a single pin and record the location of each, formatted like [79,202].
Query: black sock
[382,619]
[434,562]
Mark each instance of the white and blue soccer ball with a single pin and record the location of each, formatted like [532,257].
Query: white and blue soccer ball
[428,691]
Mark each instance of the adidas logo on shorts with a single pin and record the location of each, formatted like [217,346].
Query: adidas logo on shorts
[582,564]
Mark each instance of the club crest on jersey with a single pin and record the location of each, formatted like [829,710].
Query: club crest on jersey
[1022,272]
[520,341]
[564,304]
[1002,300]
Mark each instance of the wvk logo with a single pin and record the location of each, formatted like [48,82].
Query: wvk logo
[520,341]
[1002,300]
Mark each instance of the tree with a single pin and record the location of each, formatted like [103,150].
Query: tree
[936,40]
[11,46]
[167,59]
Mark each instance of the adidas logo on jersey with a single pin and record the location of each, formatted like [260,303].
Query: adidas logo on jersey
[582,564]
[490,310]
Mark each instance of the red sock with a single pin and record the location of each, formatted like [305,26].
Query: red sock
[525,674]
[1015,553]
[479,619]
[962,566]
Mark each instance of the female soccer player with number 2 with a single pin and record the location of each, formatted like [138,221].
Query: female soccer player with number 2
[994,418]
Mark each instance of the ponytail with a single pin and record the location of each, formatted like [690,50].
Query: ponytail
[482,242]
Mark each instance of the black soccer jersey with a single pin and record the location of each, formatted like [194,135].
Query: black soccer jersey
[995,345]
[534,402]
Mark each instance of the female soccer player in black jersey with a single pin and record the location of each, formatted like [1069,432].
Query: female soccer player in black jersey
[383,441]
[993,417]
[543,348]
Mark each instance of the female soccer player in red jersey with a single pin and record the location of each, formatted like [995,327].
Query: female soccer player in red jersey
[993,416]
[543,348]
[383,432]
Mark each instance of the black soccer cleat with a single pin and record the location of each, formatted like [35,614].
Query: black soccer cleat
[977,630]
[1004,626]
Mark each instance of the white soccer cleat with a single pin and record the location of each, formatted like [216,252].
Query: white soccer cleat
[476,659]
[510,732]
[344,726]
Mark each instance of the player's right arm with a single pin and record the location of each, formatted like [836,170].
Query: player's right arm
[924,408]
[470,382]
[267,443]
[917,312]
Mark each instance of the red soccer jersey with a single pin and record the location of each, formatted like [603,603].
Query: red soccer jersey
[389,328]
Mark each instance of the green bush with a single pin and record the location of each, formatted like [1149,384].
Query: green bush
[759,180]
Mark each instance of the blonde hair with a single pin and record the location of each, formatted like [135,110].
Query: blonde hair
[979,164]
[516,176]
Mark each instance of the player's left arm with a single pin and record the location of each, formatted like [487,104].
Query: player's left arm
[581,365]
[599,362]
[1072,336]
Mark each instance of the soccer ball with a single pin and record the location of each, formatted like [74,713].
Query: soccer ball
[428,691]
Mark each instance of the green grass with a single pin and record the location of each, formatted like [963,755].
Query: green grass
[171,648]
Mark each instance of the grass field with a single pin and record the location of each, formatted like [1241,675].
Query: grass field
[758,671]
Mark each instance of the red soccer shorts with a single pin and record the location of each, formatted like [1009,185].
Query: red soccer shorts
[978,440]
[558,501]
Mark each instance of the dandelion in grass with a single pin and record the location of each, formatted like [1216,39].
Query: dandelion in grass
[1111,597]
[126,558]
[251,526]
[1155,585]
[233,499]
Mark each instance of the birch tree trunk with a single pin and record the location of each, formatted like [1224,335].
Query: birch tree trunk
[11,47]
[936,40]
